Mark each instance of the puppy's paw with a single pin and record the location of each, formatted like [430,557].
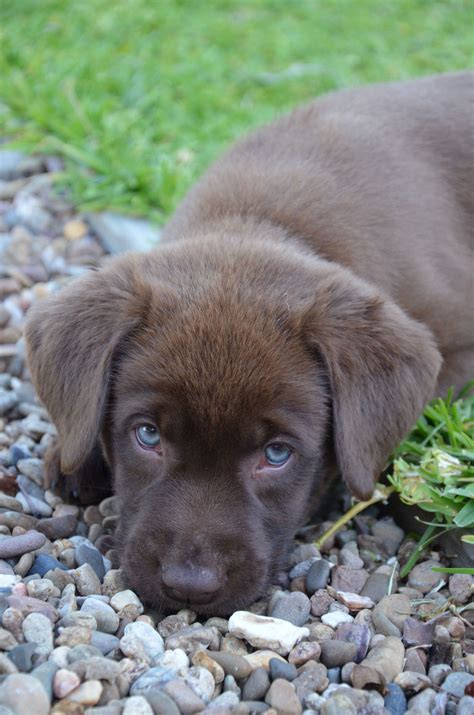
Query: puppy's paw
[87,485]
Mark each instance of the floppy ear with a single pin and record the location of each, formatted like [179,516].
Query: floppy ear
[382,368]
[71,338]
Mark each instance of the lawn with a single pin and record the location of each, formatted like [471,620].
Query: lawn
[140,95]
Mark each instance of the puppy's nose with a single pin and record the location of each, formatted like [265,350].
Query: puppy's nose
[190,583]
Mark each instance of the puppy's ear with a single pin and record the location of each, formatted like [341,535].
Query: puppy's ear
[71,339]
[382,368]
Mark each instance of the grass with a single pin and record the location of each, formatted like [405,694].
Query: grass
[139,96]
[433,469]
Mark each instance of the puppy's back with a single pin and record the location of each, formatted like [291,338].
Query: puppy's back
[378,179]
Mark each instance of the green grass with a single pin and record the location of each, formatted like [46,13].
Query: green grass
[140,95]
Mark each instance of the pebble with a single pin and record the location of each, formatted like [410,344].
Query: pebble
[26,605]
[376,586]
[381,665]
[390,614]
[120,233]
[147,639]
[58,527]
[346,579]
[461,587]
[200,657]
[336,653]
[232,664]
[395,700]
[105,642]
[256,685]
[64,682]
[32,468]
[37,629]
[338,705]
[122,599]
[86,580]
[389,534]
[321,602]
[106,618]
[357,633]
[265,632]
[24,695]
[335,618]
[87,694]
[304,651]
[44,563]
[45,674]
[10,503]
[312,678]
[465,706]
[14,518]
[137,705]
[293,607]
[318,576]
[185,698]
[17,545]
[86,554]
[21,655]
[354,601]
[201,682]
[282,669]
[423,578]
[161,703]
[456,683]
[282,697]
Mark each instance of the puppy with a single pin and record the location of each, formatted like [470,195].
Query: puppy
[310,295]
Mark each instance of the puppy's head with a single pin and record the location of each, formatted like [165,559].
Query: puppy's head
[215,382]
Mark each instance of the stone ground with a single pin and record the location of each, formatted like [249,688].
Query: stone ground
[349,637]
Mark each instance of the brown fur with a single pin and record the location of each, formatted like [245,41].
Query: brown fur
[306,291]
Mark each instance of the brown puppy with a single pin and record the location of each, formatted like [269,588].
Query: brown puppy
[290,326]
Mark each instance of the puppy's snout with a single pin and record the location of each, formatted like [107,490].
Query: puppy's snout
[191,583]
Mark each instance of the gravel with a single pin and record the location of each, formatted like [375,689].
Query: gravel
[348,636]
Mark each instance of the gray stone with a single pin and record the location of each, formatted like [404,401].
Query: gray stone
[161,703]
[456,683]
[123,233]
[358,634]
[293,607]
[390,614]
[45,674]
[105,616]
[389,534]
[461,587]
[423,578]
[232,664]
[12,546]
[283,698]
[32,468]
[10,163]
[228,700]
[346,579]
[376,586]
[256,685]
[58,527]
[104,642]
[282,669]
[22,655]
[465,706]
[86,554]
[37,629]
[335,653]
[86,580]
[185,698]
[338,705]
[318,576]
[155,677]
[24,695]
[303,567]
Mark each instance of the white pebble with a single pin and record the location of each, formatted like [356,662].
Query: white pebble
[264,632]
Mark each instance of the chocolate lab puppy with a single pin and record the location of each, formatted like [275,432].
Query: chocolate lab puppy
[310,295]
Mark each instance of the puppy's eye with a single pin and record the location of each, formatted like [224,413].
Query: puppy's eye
[277,454]
[148,437]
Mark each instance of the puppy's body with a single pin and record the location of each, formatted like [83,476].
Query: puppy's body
[377,179]
[298,306]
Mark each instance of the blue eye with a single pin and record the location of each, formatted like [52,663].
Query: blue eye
[148,436]
[277,454]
